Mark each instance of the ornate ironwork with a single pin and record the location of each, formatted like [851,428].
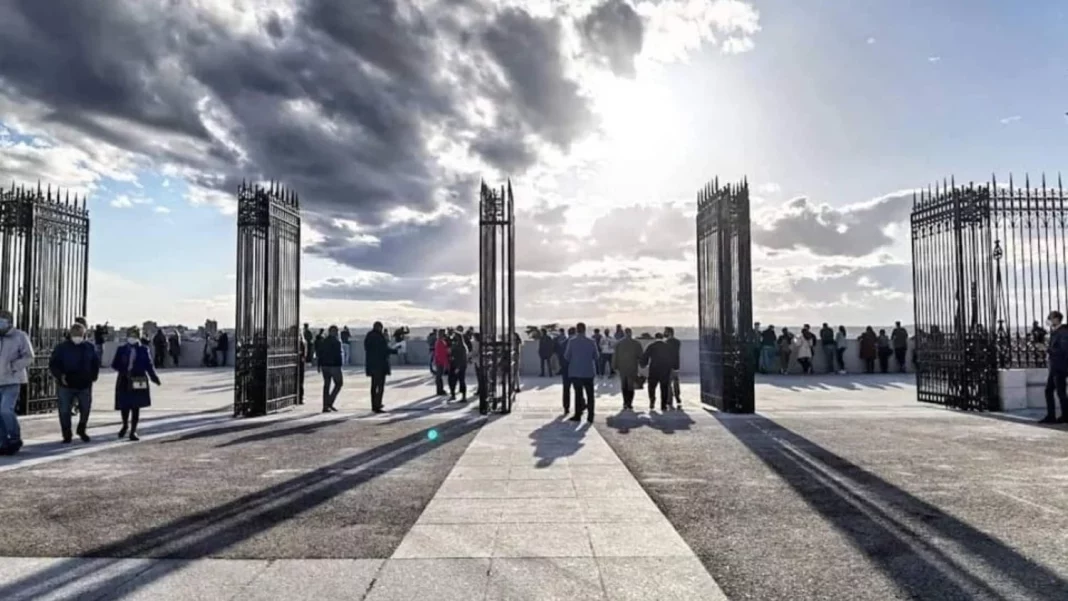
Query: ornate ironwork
[498,351]
[267,330]
[989,263]
[44,271]
[725,296]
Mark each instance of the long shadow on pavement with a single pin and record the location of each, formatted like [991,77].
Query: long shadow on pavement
[557,439]
[207,532]
[829,483]
[667,422]
[306,428]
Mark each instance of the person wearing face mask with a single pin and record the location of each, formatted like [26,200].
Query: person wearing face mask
[75,366]
[1058,369]
[133,362]
[16,355]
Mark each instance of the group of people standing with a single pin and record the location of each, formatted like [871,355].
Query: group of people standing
[774,350]
[580,358]
[75,365]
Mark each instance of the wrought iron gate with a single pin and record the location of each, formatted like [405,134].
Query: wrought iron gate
[725,297]
[44,271]
[499,346]
[267,330]
[989,263]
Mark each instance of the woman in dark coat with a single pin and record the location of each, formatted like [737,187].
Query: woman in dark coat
[134,364]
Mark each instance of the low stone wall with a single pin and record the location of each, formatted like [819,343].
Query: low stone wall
[192,353]
[1022,388]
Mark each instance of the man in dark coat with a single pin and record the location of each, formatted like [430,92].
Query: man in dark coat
[222,347]
[309,352]
[302,362]
[159,349]
[561,346]
[329,352]
[1058,370]
[376,351]
[900,341]
[75,366]
[659,357]
[546,348]
[676,351]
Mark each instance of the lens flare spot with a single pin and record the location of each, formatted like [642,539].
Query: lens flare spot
[432,435]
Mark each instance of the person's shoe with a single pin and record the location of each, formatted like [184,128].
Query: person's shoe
[574,418]
[379,410]
[134,437]
[122,432]
[589,420]
[452,397]
[67,440]
[333,409]
[84,437]
[1062,419]
[1049,419]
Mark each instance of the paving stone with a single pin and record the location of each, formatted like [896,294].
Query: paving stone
[181,580]
[319,579]
[542,540]
[655,538]
[445,541]
[673,579]
[544,579]
[540,489]
[431,580]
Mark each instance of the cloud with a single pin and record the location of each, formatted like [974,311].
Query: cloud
[849,231]
[934,59]
[615,32]
[871,41]
[124,201]
[162,210]
[1012,119]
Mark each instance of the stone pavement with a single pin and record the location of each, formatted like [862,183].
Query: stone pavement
[205,507]
[540,507]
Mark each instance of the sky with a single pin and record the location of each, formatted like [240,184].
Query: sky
[607,116]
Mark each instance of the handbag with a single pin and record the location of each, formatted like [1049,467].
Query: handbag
[134,383]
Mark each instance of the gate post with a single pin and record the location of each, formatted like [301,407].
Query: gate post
[498,348]
[44,271]
[267,328]
[725,297]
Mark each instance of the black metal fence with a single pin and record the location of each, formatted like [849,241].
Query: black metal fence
[44,271]
[725,297]
[267,330]
[989,263]
[498,351]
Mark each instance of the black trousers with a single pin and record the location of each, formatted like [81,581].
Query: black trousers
[606,364]
[584,401]
[899,354]
[158,356]
[546,365]
[626,386]
[378,390]
[567,389]
[439,382]
[1055,382]
[840,354]
[884,360]
[663,382]
[331,375]
[458,375]
[869,366]
[300,382]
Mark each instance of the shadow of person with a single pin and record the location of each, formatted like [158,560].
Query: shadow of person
[667,422]
[555,440]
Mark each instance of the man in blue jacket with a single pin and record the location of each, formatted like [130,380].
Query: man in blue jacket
[582,356]
[75,366]
[1058,370]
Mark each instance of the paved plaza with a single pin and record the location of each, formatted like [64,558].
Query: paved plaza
[838,488]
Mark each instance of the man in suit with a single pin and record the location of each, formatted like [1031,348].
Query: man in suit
[581,357]
[376,351]
[660,360]
[1058,370]
[676,357]
[329,354]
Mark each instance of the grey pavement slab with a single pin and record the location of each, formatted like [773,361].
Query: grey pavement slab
[321,580]
[846,488]
[436,579]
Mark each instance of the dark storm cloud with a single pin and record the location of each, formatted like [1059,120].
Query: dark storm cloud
[852,231]
[615,32]
[338,101]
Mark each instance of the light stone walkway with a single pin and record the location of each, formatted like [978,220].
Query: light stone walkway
[541,508]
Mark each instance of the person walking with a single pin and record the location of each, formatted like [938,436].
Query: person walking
[133,363]
[768,349]
[607,347]
[377,350]
[581,356]
[803,352]
[626,361]
[475,357]
[222,348]
[659,359]
[458,360]
[1058,369]
[440,360]
[159,349]
[828,347]
[676,358]
[562,361]
[900,339]
[302,364]
[174,344]
[16,356]
[75,366]
[329,357]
